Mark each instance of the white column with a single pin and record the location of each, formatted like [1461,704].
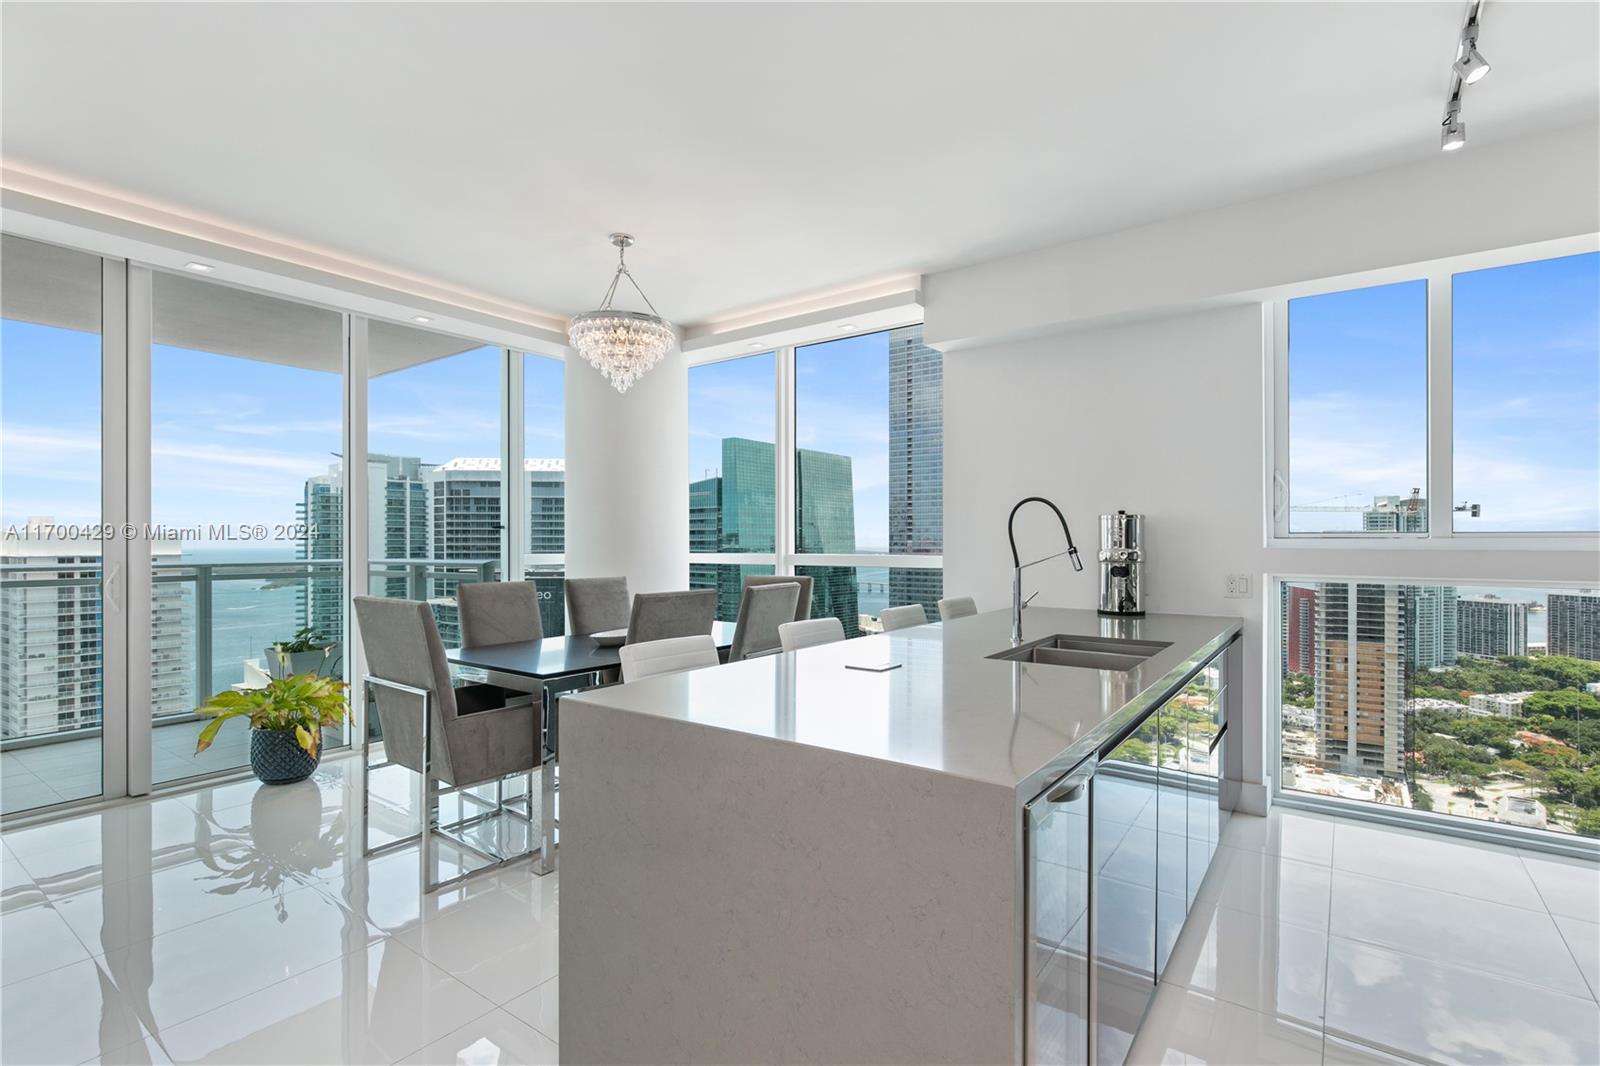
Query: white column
[627,476]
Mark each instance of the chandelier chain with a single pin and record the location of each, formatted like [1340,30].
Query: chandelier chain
[622,270]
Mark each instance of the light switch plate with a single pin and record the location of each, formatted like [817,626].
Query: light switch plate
[1236,586]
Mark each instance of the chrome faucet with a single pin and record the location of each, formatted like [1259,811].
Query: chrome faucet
[1017,565]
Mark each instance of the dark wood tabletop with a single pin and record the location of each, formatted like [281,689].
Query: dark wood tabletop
[555,657]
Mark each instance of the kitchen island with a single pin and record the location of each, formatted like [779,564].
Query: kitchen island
[788,859]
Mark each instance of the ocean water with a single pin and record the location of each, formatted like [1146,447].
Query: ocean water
[246,615]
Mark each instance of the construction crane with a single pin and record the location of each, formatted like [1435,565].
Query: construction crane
[1412,505]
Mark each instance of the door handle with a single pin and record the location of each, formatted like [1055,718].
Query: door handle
[111,586]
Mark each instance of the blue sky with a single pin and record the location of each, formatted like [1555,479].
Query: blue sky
[841,406]
[1527,397]
[234,440]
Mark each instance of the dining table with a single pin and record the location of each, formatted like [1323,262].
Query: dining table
[554,666]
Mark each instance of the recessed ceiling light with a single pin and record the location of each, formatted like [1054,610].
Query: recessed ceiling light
[421,319]
[847,327]
[753,344]
[199,268]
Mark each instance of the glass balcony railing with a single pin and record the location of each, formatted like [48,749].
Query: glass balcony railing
[212,624]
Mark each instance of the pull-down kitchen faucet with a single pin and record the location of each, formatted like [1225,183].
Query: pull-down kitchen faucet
[1017,565]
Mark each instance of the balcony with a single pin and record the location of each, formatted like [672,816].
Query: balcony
[211,624]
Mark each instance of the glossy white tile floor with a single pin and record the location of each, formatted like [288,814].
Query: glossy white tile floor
[1317,940]
[239,924]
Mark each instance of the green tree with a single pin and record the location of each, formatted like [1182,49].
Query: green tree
[1562,703]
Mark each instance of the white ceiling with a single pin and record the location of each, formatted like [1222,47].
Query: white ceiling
[761,152]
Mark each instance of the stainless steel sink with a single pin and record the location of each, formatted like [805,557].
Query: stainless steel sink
[1088,653]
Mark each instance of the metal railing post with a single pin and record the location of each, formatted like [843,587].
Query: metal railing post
[202,634]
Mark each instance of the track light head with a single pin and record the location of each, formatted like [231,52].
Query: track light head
[1471,65]
[1453,134]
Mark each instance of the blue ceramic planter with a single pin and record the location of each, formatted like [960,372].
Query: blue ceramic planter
[277,757]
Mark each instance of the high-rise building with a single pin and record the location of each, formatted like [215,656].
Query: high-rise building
[733,512]
[1487,626]
[419,511]
[916,464]
[1361,668]
[397,508]
[1574,624]
[825,521]
[1430,626]
[705,535]
[52,642]
[397,489]
[1396,514]
[321,511]
[1299,629]
[547,535]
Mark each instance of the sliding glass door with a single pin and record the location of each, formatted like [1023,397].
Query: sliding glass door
[52,558]
[179,504]
[435,481]
[246,408]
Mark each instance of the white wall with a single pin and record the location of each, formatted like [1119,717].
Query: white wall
[1489,197]
[1163,417]
[627,476]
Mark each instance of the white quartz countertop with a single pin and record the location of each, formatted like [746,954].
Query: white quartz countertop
[948,707]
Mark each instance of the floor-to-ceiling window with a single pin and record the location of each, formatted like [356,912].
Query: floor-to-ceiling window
[1463,408]
[732,474]
[1473,700]
[246,431]
[435,480]
[206,426]
[51,650]
[869,472]
[826,461]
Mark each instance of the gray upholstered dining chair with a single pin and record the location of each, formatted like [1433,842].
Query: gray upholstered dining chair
[668,656]
[659,615]
[596,604]
[802,607]
[454,737]
[894,618]
[809,632]
[762,609]
[500,612]
[957,607]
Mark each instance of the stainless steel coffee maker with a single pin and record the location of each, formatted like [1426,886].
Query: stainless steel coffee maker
[1122,563]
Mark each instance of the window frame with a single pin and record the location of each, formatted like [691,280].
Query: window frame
[1504,834]
[784,559]
[1439,487]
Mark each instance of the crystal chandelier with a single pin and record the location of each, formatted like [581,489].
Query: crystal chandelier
[622,345]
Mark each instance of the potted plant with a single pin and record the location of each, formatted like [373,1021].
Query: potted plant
[286,720]
[305,653]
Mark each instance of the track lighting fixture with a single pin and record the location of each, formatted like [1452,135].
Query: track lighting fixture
[1471,67]
[1468,69]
